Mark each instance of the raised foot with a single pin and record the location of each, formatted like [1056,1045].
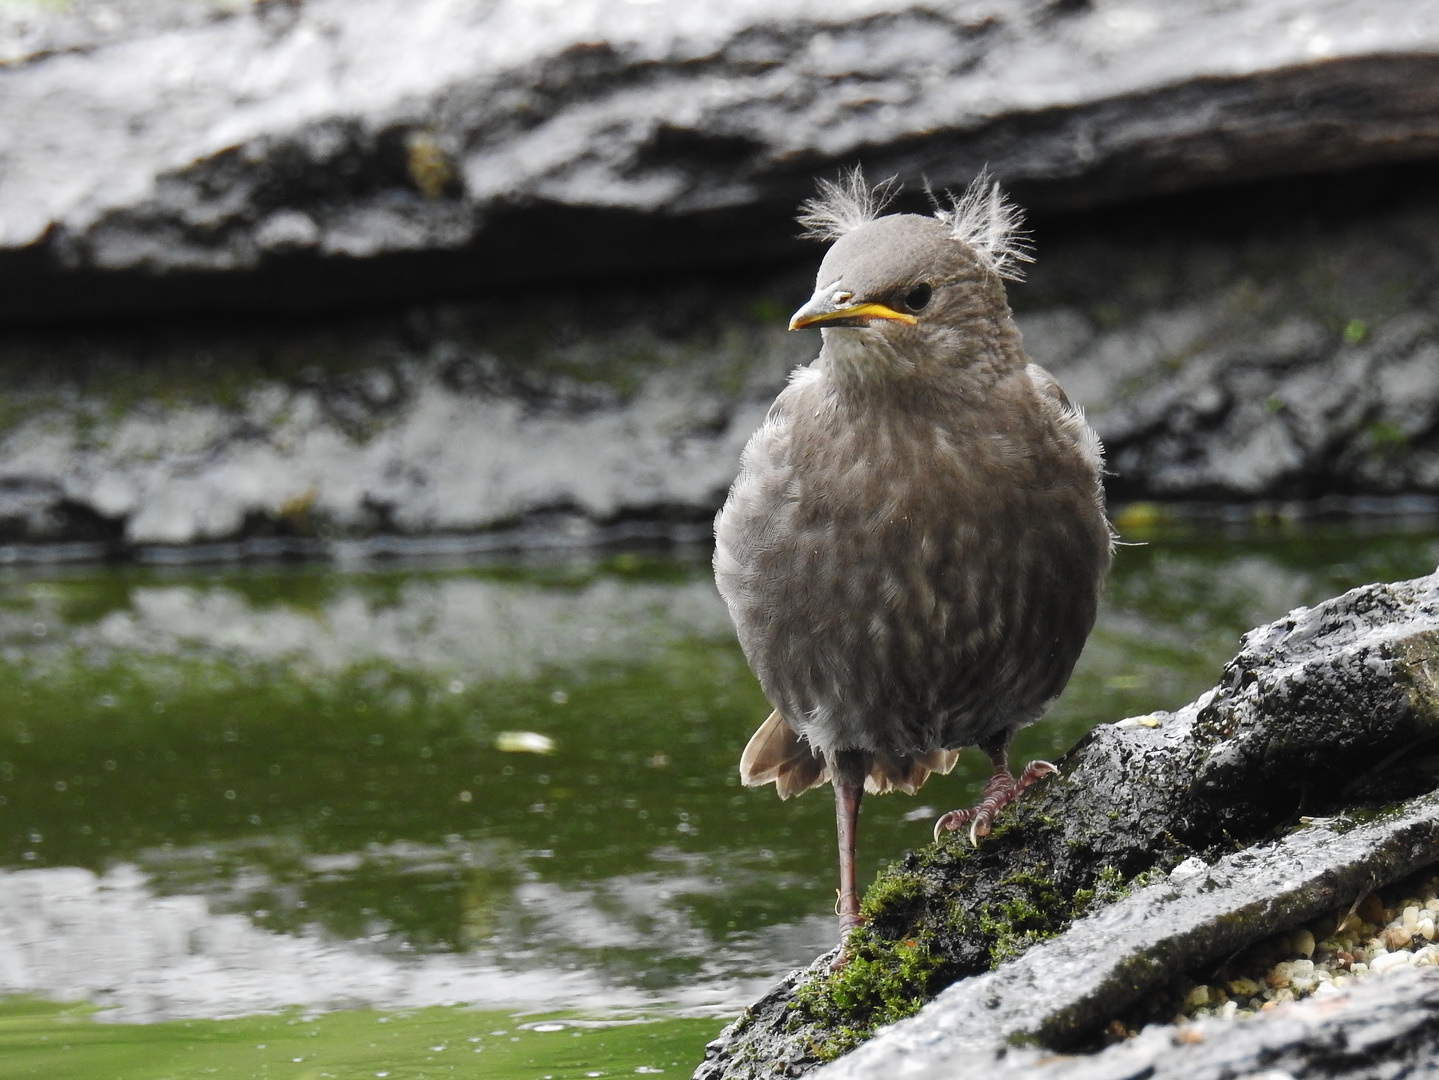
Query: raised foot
[1003,788]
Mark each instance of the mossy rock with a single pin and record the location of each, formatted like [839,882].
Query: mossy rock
[1283,736]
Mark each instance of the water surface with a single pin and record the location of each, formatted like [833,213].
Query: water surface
[225,791]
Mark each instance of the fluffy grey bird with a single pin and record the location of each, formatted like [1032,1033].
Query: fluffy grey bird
[914,547]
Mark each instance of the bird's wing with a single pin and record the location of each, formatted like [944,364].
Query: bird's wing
[1068,417]
[1049,389]
[776,755]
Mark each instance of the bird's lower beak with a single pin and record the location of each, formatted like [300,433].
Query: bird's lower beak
[821,308]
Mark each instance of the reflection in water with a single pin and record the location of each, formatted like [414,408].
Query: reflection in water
[469,626]
[72,935]
[223,792]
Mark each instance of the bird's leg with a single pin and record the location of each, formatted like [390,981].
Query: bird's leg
[847,770]
[846,814]
[1003,788]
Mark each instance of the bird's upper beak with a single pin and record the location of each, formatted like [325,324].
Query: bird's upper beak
[836,307]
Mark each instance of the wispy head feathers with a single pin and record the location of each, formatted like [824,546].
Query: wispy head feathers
[983,217]
[844,205]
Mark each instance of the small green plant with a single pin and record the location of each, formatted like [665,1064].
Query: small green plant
[879,983]
[1109,886]
[1036,913]
[893,890]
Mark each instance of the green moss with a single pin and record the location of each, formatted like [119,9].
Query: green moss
[886,980]
[893,889]
[881,982]
[1011,937]
[1109,886]
[1040,910]
[1036,913]
[1140,881]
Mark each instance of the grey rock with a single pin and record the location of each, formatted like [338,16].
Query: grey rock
[288,153]
[1382,1027]
[1103,964]
[559,421]
[1289,362]
[1219,369]
[1312,718]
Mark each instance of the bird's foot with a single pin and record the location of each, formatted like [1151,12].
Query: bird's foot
[848,921]
[1003,788]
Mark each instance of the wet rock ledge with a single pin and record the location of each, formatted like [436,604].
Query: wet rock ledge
[250,251]
[1273,343]
[1167,845]
[172,155]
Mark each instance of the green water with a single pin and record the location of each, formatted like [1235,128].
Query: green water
[418,791]
[59,1042]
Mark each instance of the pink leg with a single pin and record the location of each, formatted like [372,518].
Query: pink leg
[847,772]
[846,816]
[1001,790]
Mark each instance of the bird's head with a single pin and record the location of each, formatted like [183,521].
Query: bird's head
[905,294]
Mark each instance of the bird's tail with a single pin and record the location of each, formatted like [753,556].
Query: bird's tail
[906,772]
[777,755]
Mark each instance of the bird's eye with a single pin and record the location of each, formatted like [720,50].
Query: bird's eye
[918,297]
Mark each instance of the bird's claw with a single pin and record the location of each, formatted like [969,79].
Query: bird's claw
[979,823]
[951,822]
[1001,790]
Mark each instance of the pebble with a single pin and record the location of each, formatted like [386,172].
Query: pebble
[1397,937]
[1382,933]
[1245,987]
[1197,997]
[1390,961]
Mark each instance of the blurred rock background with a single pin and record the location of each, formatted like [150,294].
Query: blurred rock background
[301,274]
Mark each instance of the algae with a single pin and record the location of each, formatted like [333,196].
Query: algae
[65,1042]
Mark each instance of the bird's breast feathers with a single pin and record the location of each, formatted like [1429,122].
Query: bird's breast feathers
[973,440]
[829,468]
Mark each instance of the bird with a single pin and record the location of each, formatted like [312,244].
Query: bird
[913,551]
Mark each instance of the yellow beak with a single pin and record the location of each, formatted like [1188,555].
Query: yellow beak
[820,309]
